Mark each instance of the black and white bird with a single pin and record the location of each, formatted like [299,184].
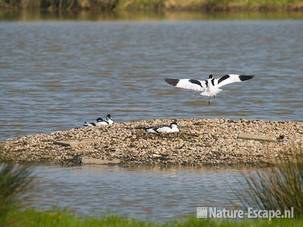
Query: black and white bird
[109,120]
[173,127]
[210,87]
[100,122]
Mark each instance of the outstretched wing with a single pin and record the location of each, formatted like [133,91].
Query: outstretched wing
[232,78]
[196,85]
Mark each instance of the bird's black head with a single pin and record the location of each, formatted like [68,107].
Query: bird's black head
[210,76]
[109,116]
[99,119]
[174,122]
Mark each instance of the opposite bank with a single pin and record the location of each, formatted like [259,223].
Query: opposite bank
[177,5]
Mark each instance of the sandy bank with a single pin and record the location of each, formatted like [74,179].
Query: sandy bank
[201,141]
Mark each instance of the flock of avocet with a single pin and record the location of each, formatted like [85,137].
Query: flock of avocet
[210,88]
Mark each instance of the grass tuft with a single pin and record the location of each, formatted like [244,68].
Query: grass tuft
[277,188]
[14,179]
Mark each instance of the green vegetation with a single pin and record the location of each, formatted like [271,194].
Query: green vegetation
[276,188]
[156,5]
[33,218]
[273,189]
[14,179]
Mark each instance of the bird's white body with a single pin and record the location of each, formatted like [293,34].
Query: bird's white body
[211,90]
[87,124]
[100,122]
[168,129]
[95,124]
[109,120]
[173,127]
[210,87]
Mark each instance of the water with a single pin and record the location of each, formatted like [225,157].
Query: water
[148,194]
[57,74]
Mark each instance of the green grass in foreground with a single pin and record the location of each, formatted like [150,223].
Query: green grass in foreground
[34,218]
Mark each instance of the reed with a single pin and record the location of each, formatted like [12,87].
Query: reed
[277,188]
[14,179]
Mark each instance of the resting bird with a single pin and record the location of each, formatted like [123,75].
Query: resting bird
[173,127]
[211,86]
[100,122]
[109,120]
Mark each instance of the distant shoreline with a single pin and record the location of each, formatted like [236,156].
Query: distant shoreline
[87,15]
[157,5]
[200,142]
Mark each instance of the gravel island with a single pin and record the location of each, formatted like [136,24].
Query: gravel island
[199,142]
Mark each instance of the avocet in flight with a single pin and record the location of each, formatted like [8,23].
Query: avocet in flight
[210,87]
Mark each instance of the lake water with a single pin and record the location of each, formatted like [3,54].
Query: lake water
[153,194]
[57,74]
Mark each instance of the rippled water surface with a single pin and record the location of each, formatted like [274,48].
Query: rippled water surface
[56,74]
[148,194]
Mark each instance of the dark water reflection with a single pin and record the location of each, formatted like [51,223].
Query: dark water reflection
[148,194]
[30,15]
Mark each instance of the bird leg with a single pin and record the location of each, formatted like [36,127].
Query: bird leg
[209,99]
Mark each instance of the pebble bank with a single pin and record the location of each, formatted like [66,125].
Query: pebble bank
[199,142]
